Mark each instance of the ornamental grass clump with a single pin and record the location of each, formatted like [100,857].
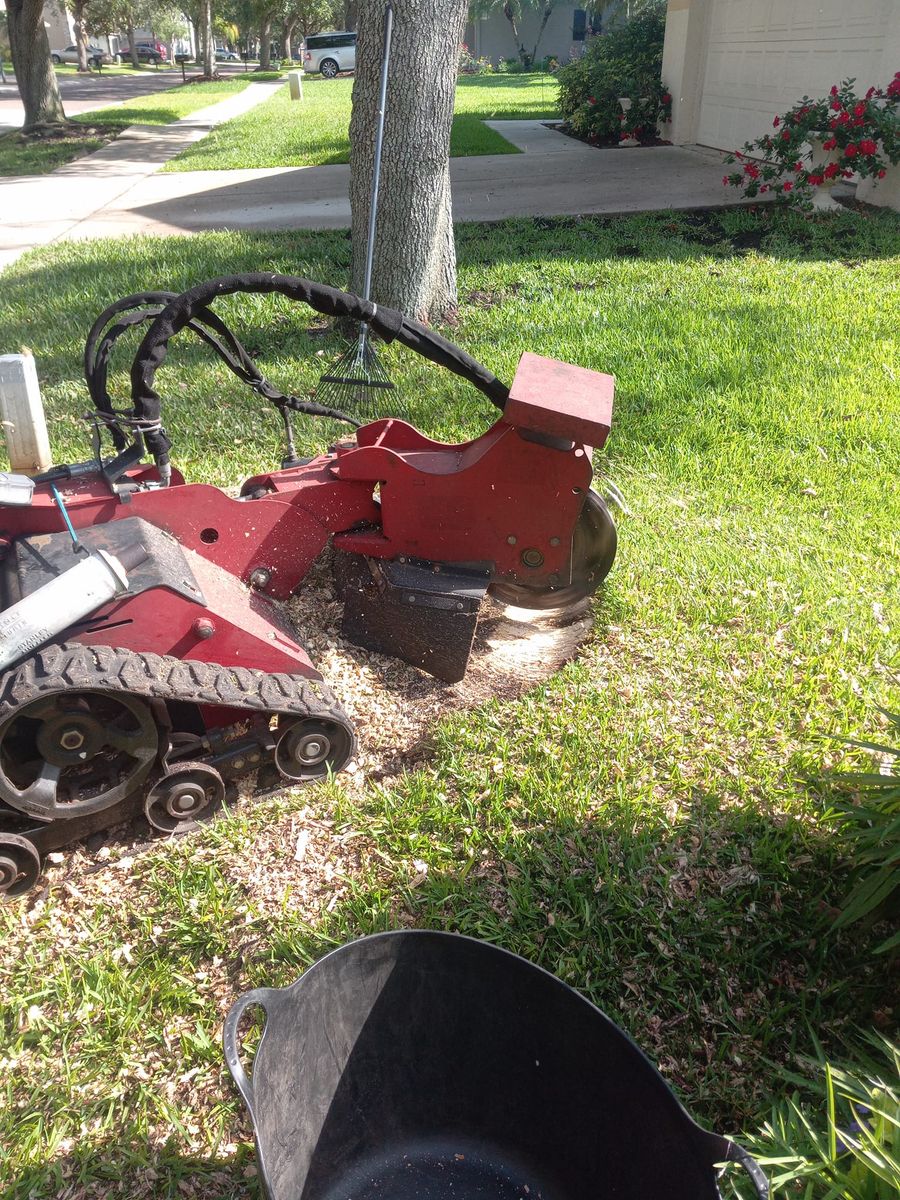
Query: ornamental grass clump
[820,141]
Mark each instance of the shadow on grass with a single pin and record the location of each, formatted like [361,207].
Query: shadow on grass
[121,1170]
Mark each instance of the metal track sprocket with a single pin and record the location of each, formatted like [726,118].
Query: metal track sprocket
[71,753]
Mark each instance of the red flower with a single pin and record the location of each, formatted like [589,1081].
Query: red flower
[786,135]
[847,173]
[788,186]
[882,173]
[836,105]
[751,170]
[776,122]
[831,170]
[858,121]
[798,166]
[893,88]
[591,100]
[834,90]
[815,180]
[870,93]
[830,144]
[859,110]
[667,99]
[725,180]
[833,124]
[764,188]
[851,149]
[843,118]
[868,146]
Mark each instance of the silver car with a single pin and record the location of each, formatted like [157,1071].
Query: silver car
[329,53]
[96,55]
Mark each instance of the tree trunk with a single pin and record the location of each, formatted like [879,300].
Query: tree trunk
[415,258]
[510,13]
[35,77]
[80,34]
[265,42]
[545,17]
[206,32]
[287,36]
[129,27]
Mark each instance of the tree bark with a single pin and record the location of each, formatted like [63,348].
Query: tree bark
[287,36]
[129,29]
[510,13]
[545,17]
[265,42]
[35,77]
[415,257]
[80,34]
[206,32]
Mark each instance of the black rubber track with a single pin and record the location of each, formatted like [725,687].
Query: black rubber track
[73,667]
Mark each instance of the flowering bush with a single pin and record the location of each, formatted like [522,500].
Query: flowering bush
[625,62]
[861,135]
[470,65]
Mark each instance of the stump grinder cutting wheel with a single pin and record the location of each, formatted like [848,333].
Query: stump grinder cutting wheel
[146,660]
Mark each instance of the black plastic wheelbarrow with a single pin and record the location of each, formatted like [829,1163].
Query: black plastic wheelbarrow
[429,1066]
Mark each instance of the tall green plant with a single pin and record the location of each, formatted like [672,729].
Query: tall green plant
[625,62]
[869,820]
[845,1149]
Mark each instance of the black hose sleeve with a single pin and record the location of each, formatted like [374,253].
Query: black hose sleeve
[387,323]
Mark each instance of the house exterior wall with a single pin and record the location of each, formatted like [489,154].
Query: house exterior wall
[491,37]
[732,64]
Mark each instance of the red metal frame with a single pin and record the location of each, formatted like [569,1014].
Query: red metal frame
[509,499]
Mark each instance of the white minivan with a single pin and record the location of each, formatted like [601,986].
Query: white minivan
[329,53]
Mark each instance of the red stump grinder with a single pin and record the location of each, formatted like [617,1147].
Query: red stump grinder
[146,661]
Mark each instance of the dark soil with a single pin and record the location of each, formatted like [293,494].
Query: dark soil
[606,144]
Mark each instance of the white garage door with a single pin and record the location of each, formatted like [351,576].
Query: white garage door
[764,55]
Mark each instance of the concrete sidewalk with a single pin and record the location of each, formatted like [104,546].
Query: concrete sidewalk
[38,209]
[115,193]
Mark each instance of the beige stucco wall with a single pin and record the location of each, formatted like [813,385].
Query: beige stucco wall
[492,37]
[732,64]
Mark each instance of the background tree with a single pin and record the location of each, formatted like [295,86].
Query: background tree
[514,11]
[305,17]
[35,77]
[415,257]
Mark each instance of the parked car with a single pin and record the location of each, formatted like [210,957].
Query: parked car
[226,56]
[329,53]
[96,55]
[152,52]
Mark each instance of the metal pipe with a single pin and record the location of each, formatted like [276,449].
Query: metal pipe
[68,598]
[379,139]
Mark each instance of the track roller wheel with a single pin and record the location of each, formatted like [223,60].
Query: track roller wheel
[310,748]
[20,865]
[191,792]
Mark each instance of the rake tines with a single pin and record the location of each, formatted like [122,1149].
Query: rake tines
[356,383]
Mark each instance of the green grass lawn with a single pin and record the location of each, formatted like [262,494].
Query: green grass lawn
[19,156]
[646,823]
[312,132]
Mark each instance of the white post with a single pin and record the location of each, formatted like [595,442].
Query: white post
[22,415]
[295,81]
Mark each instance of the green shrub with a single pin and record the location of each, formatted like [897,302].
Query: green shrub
[625,62]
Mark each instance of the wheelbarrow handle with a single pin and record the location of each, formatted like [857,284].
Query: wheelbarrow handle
[232,1044]
[758,1177]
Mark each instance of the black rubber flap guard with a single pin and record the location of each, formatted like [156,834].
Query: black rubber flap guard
[416,1065]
